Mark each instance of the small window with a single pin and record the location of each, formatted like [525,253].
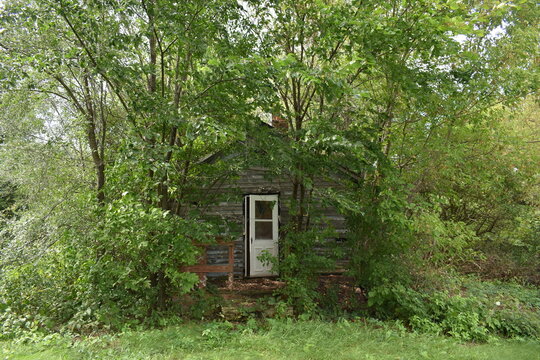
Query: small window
[263,230]
[263,209]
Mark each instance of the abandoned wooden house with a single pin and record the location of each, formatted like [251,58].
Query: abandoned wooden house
[260,207]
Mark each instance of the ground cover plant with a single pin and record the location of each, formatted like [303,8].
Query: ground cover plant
[468,309]
[274,340]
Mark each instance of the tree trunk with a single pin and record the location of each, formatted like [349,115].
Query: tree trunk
[99,165]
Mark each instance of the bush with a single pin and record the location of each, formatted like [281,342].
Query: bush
[124,272]
[301,265]
[201,304]
[465,313]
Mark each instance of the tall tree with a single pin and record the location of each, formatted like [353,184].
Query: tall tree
[155,86]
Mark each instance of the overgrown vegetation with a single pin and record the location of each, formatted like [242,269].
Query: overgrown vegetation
[272,340]
[468,310]
[422,116]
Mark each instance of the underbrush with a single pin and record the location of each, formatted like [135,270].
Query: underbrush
[466,309]
[463,308]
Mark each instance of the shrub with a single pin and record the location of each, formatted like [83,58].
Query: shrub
[125,271]
[469,315]
[301,265]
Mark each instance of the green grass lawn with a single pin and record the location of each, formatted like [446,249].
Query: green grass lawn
[278,340]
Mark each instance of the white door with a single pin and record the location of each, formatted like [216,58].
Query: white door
[262,228]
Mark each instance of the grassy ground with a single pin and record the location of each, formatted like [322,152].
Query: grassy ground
[279,340]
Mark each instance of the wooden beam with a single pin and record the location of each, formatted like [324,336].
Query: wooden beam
[203,268]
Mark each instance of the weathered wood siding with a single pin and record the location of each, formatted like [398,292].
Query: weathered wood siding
[256,181]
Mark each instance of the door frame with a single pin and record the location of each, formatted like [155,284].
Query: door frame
[249,224]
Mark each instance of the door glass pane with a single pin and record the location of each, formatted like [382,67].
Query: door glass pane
[263,209]
[263,229]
